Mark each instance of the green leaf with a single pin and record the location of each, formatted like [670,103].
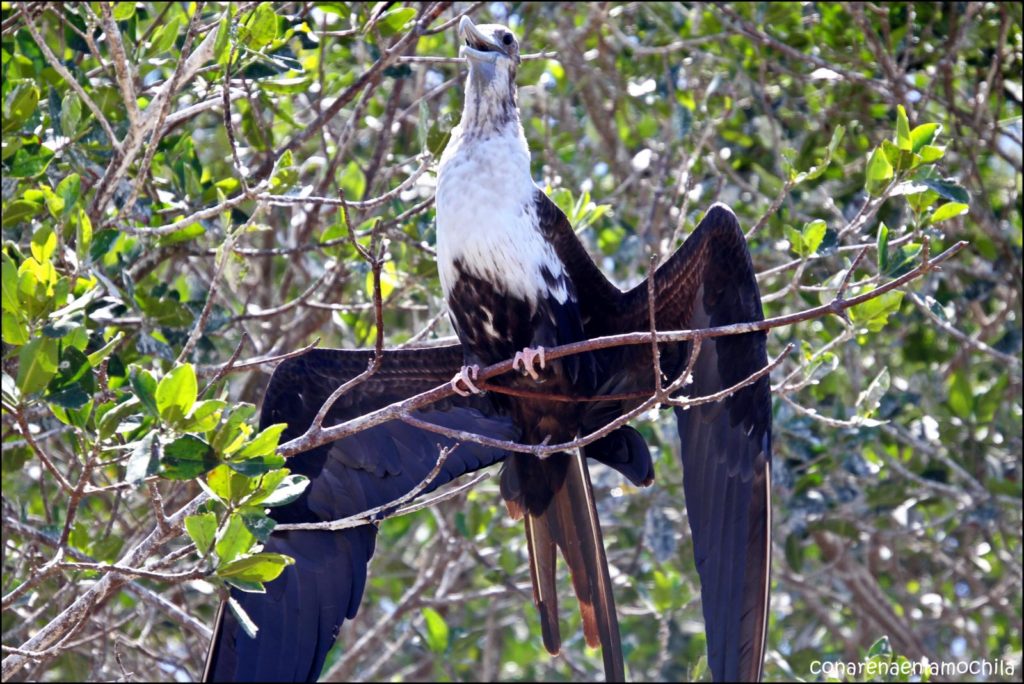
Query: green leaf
[73,369]
[947,211]
[97,357]
[903,140]
[870,398]
[183,234]
[923,135]
[69,190]
[204,415]
[163,40]
[948,189]
[931,153]
[264,443]
[187,457]
[37,363]
[9,292]
[70,113]
[14,331]
[144,385]
[230,436]
[112,419]
[258,522]
[813,234]
[228,485]
[44,242]
[393,21]
[74,384]
[882,247]
[176,394]
[388,280]
[437,630]
[234,539]
[30,163]
[202,529]
[144,461]
[261,28]
[79,537]
[879,172]
[437,138]
[257,465]
[83,235]
[880,647]
[123,11]
[796,241]
[960,395]
[352,181]
[816,171]
[259,567]
[24,99]
[794,552]
[899,159]
[20,210]
[874,313]
[223,36]
[285,175]
[102,244]
[903,259]
[290,489]
[988,403]
[54,203]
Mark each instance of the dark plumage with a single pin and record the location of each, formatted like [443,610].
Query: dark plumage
[515,276]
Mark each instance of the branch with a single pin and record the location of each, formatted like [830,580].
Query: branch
[400,410]
[71,617]
[370,75]
[59,67]
[219,371]
[372,515]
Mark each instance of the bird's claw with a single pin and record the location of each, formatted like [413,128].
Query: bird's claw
[525,359]
[467,376]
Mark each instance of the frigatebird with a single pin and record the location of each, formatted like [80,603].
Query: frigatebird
[517,280]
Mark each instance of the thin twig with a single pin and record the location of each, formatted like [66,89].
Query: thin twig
[374,514]
[400,410]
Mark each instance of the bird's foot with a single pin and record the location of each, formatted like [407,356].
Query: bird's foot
[466,377]
[525,360]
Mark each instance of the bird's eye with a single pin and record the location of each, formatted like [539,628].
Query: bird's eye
[507,39]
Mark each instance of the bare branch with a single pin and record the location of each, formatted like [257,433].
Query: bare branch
[401,410]
[373,514]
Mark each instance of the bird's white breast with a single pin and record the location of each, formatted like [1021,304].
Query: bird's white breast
[486,217]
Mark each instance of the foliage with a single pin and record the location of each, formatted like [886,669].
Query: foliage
[159,249]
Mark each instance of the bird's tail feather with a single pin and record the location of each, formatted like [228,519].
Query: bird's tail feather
[569,521]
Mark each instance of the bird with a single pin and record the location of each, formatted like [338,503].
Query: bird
[518,280]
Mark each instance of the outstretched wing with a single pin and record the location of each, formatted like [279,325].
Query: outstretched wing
[301,612]
[726,445]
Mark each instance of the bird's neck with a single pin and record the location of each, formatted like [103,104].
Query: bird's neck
[490,109]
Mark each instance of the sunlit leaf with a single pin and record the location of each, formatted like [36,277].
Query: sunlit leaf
[176,393]
[201,529]
[436,630]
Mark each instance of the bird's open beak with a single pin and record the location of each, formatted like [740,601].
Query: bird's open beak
[478,47]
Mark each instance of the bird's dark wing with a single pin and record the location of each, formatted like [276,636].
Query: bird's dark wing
[300,613]
[598,297]
[726,445]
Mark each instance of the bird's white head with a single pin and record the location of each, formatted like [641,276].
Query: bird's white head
[492,52]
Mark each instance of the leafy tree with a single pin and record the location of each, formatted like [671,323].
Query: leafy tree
[174,178]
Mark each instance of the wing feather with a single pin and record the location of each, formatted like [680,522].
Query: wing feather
[301,612]
[725,446]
